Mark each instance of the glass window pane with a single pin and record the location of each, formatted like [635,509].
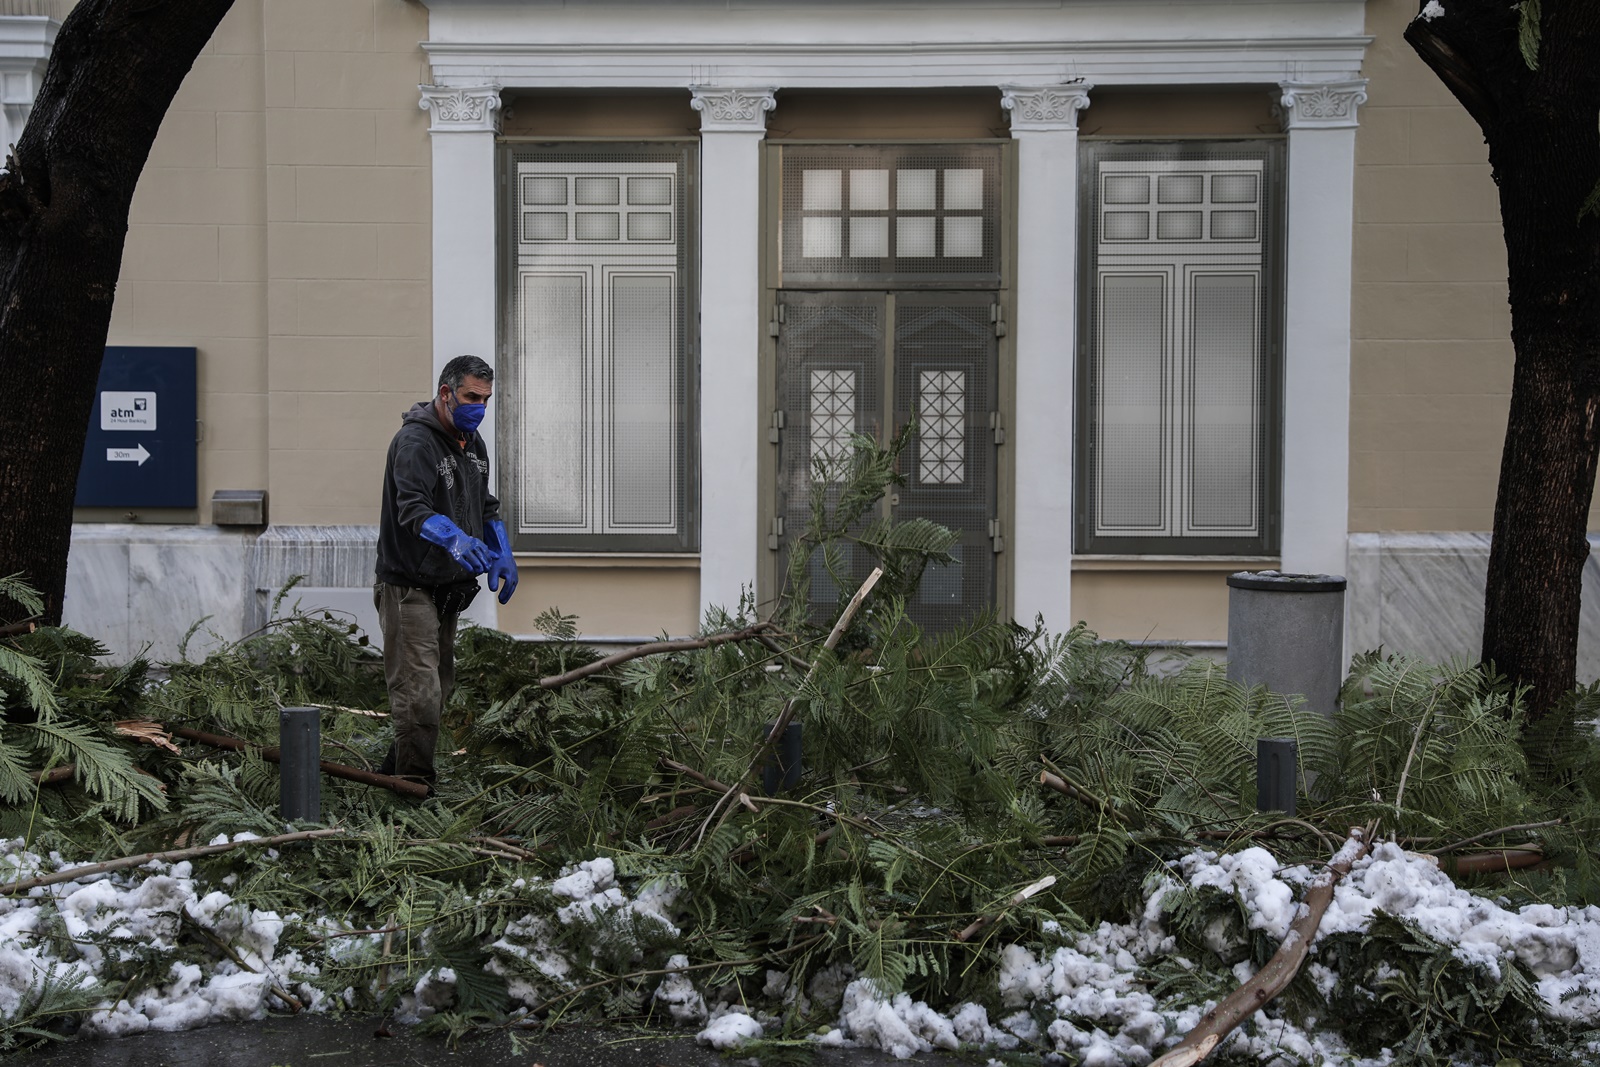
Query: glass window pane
[963,235]
[869,238]
[1234,188]
[914,190]
[645,192]
[553,390]
[544,225]
[597,225]
[963,190]
[821,191]
[649,226]
[1127,189]
[541,191]
[643,401]
[1131,385]
[869,190]
[1127,226]
[1233,225]
[1179,225]
[1224,431]
[1180,189]
[819,238]
[597,190]
[913,238]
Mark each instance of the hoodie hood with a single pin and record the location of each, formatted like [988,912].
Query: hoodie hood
[422,411]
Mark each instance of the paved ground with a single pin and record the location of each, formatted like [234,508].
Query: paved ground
[313,1042]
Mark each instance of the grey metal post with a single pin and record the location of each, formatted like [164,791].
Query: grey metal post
[1277,763]
[1286,632]
[300,764]
[780,771]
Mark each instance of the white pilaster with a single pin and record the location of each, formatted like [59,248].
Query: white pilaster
[1320,119]
[1044,123]
[465,122]
[732,124]
[25,45]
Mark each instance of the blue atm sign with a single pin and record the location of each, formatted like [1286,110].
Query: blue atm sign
[140,449]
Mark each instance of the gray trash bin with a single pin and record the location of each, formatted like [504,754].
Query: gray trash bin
[1286,632]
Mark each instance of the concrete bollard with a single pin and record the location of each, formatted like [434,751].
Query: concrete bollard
[1277,774]
[1286,632]
[780,771]
[300,764]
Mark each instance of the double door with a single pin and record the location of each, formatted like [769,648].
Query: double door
[854,362]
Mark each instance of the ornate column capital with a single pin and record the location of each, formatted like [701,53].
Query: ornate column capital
[738,110]
[475,109]
[1319,105]
[1045,107]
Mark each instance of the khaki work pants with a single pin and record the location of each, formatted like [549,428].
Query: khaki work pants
[419,665]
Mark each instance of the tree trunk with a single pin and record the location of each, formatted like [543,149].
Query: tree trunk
[1540,125]
[64,201]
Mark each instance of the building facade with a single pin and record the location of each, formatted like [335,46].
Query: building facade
[1170,288]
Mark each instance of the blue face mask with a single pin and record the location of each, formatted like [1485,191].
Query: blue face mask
[468,416]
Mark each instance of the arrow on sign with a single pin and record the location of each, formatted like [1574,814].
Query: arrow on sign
[136,454]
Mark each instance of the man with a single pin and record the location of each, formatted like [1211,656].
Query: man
[439,529]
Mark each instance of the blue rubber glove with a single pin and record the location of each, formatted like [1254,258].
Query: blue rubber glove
[465,549]
[503,571]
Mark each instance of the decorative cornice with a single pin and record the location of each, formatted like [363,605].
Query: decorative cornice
[471,110]
[1319,105]
[742,110]
[1052,107]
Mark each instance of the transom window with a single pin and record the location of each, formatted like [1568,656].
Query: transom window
[890,215]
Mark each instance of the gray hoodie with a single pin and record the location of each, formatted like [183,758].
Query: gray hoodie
[430,471]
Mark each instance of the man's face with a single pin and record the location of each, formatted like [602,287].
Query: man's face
[474,390]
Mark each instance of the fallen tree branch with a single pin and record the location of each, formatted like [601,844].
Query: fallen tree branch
[72,873]
[1475,838]
[26,626]
[984,921]
[1216,1024]
[1061,785]
[228,950]
[333,770]
[1498,860]
[653,648]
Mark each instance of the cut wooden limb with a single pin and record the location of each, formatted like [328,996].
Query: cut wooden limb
[653,648]
[72,873]
[1500,859]
[1066,788]
[151,733]
[333,770]
[1216,1024]
[985,921]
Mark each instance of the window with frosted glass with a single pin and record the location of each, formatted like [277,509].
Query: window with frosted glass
[1178,360]
[596,423]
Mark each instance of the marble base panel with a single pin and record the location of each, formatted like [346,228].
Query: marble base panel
[1422,594]
[140,589]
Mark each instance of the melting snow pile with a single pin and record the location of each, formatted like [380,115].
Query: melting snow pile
[1088,996]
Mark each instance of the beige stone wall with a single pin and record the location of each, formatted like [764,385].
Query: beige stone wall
[1431,358]
[282,227]
[612,597]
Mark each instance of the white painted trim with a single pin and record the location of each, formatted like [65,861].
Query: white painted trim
[1044,122]
[464,246]
[734,123]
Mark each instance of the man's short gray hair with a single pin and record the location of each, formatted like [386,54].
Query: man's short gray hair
[461,368]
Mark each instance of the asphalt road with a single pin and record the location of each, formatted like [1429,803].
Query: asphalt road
[316,1042]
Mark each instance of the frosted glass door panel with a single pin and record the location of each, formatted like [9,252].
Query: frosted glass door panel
[1131,449]
[1224,422]
[554,389]
[643,427]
